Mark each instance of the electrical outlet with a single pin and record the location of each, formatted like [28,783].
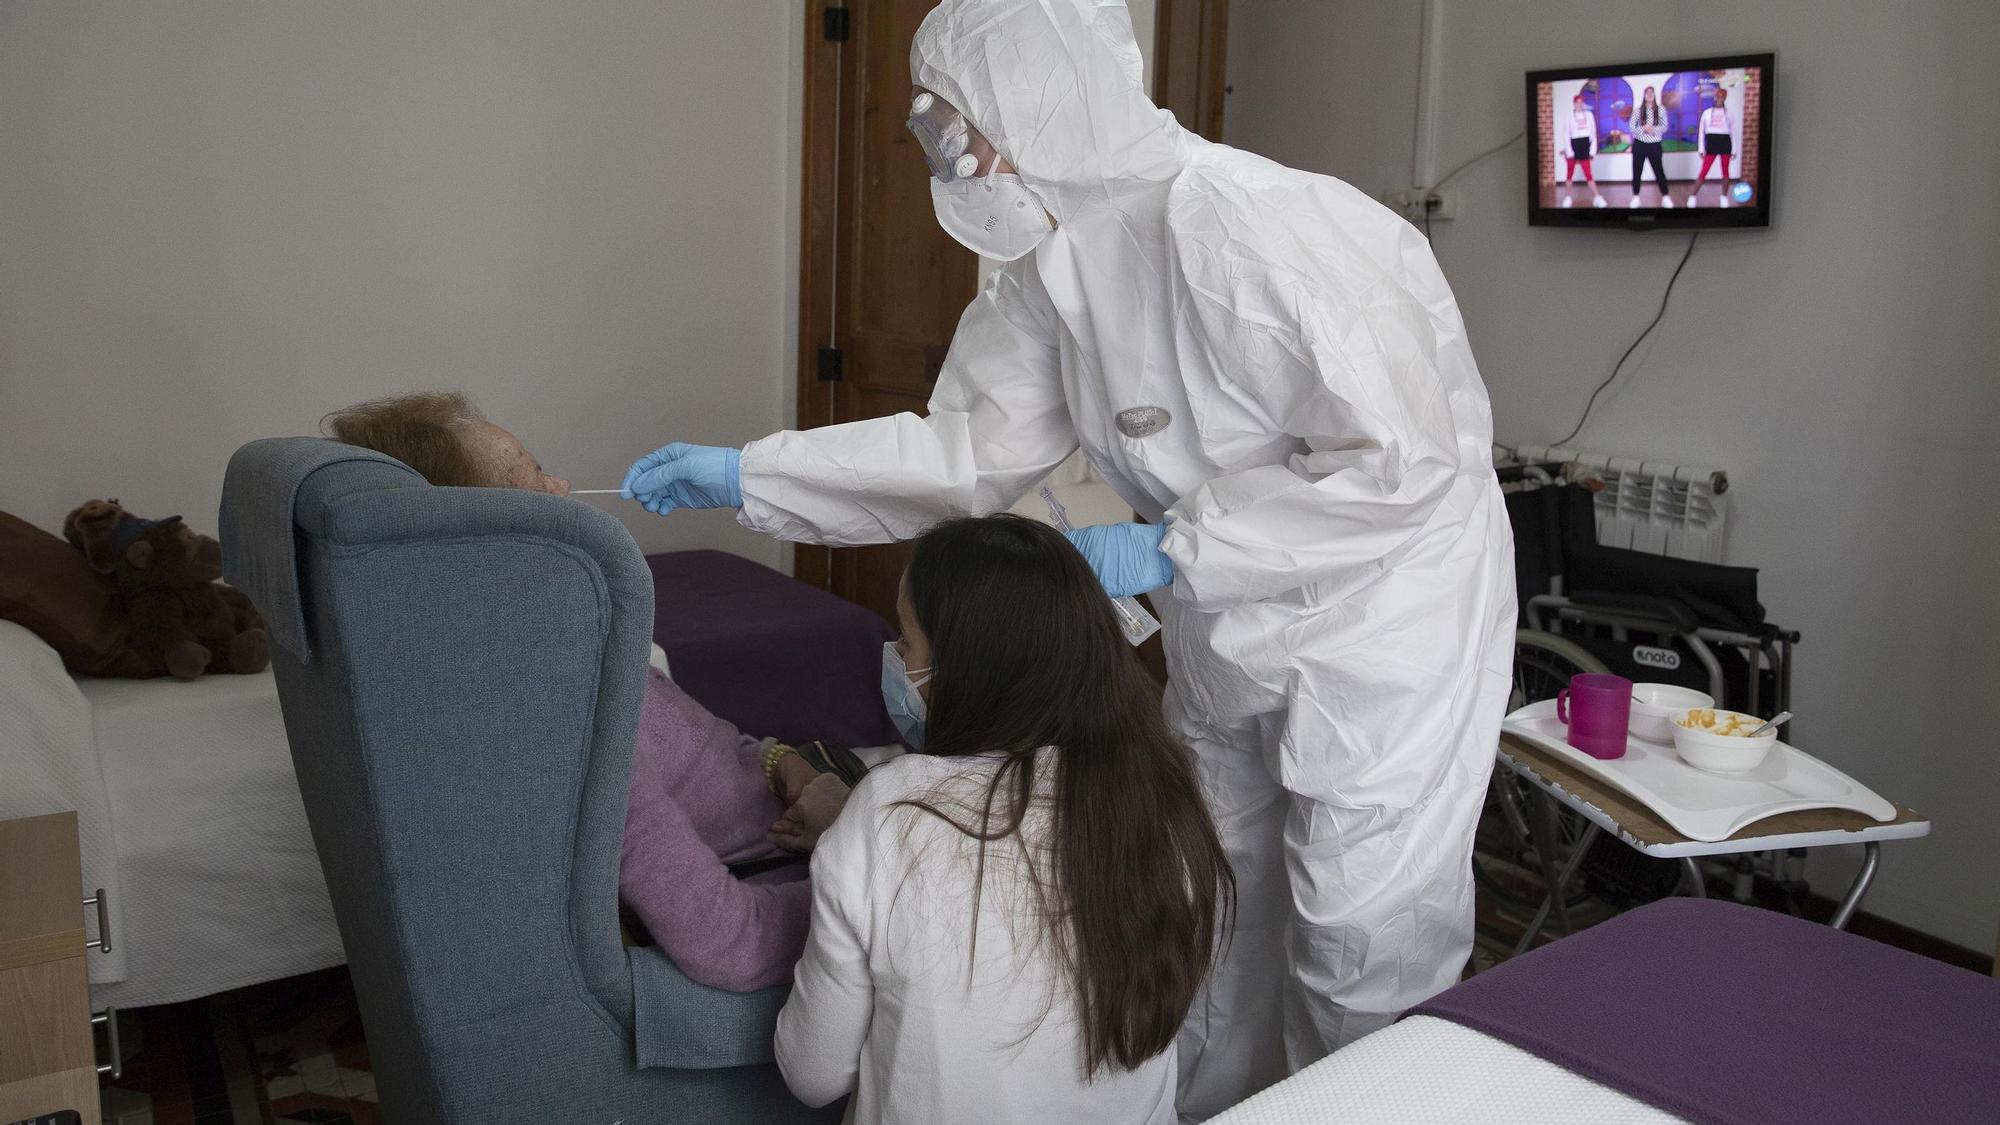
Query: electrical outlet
[1411,204]
[1403,202]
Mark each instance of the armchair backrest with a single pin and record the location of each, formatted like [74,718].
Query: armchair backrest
[461,672]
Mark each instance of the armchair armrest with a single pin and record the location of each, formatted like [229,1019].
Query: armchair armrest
[683,1025]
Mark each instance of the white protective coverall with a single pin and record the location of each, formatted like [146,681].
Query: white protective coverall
[1272,362]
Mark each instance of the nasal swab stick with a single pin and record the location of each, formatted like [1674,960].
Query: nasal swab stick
[595,491]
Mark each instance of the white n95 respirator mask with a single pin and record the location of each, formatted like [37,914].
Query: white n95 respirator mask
[995,215]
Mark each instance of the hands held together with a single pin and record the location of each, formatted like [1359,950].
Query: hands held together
[812,801]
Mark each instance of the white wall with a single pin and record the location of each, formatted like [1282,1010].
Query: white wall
[1143,14]
[221,220]
[1843,365]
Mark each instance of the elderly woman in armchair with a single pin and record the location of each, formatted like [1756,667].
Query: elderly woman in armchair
[707,801]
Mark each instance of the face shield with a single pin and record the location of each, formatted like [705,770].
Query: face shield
[944,136]
[993,214]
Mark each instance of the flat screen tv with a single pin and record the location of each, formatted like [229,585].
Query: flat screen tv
[1684,143]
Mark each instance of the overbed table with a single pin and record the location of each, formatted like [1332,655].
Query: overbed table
[1608,809]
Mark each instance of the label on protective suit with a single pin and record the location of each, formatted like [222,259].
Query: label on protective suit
[1143,421]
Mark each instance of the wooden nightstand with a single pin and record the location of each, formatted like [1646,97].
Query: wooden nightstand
[48,1061]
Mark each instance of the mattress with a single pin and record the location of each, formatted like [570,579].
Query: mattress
[1426,1069]
[220,886]
[48,764]
[1733,1015]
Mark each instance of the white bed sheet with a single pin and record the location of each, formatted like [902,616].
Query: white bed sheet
[48,764]
[189,815]
[1428,1070]
[220,884]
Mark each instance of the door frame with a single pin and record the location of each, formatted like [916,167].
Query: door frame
[1190,60]
[819,203]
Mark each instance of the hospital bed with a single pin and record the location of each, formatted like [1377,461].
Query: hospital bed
[189,821]
[1687,1009]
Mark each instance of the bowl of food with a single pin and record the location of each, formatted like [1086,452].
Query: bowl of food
[1656,706]
[1720,741]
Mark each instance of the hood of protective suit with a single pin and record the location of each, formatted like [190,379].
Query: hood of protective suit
[1057,87]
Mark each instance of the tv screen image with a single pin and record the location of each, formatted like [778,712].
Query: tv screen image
[1677,144]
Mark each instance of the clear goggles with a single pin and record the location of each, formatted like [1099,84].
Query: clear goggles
[944,136]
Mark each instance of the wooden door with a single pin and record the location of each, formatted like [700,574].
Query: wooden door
[883,285]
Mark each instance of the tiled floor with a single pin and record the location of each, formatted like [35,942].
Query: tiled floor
[286,1052]
[311,1056]
[291,1052]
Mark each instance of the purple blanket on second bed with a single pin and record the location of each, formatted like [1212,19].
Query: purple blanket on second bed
[772,655]
[1725,1013]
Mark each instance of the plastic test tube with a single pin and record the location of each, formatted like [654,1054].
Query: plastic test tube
[1132,617]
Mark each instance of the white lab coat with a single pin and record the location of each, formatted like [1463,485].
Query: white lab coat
[887,1003]
[1339,631]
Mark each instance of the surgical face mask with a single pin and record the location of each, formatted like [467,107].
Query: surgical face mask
[995,215]
[900,695]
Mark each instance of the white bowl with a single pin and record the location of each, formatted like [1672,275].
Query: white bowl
[1656,706]
[1722,753]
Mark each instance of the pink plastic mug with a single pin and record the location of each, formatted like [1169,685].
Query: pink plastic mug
[1597,708]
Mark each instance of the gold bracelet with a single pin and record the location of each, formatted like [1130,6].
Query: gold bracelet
[772,755]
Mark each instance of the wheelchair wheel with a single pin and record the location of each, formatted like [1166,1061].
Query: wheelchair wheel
[1506,861]
[1543,664]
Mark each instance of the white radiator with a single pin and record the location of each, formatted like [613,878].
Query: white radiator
[1661,508]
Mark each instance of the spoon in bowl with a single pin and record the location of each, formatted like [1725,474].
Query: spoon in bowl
[1776,720]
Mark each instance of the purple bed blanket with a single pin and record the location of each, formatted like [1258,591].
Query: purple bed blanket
[1725,1013]
[778,658]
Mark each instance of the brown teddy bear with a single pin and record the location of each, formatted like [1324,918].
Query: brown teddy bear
[183,622]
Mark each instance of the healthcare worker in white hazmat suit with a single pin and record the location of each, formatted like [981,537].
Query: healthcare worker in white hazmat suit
[1269,367]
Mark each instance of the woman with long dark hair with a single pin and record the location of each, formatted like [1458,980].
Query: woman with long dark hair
[1012,924]
[1649,134]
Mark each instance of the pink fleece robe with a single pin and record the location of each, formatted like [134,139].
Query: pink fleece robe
[698,804]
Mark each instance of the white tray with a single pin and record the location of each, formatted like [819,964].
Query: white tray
[1699,805]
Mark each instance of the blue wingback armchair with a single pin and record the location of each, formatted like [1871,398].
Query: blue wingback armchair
[460,671]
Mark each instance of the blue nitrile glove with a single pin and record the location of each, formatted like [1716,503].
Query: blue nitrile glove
[1125,556]
[685,476]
